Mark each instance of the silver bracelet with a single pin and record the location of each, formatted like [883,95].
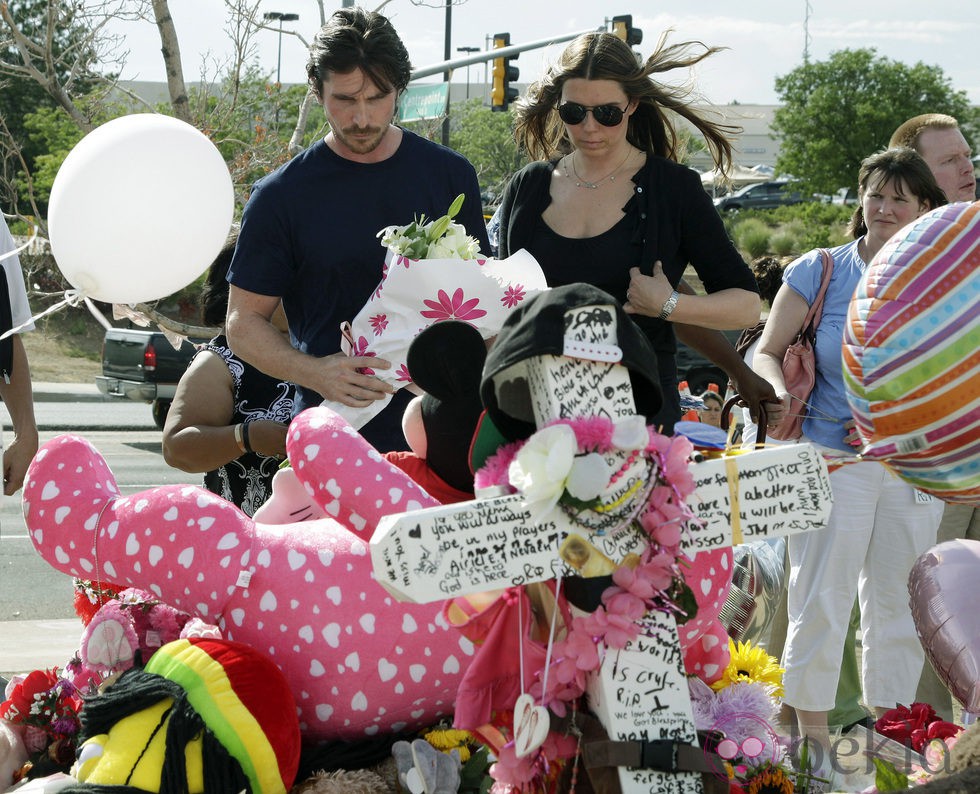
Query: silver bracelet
[669,305]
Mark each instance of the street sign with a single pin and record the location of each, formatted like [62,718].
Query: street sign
[420,102]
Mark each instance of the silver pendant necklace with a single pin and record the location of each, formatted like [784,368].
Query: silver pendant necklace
[611,176]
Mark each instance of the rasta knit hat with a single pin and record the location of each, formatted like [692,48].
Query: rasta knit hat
[231,697]
[538,328]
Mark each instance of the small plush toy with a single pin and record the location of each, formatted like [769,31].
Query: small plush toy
[13,754]
[422,768]
[128,629]
[203,715]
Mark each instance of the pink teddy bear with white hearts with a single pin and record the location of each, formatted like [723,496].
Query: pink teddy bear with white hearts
[358,662]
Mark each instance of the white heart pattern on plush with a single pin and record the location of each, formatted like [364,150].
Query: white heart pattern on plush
[531,725]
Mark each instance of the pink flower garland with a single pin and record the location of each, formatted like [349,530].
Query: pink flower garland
[636,590]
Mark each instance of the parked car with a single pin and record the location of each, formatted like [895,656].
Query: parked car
[143,366]
[845,195]
[762,195]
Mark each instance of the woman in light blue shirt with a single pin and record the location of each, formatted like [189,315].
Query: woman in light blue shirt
[879,524]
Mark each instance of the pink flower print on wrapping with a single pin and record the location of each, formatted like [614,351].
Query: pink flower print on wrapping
[379,322]
[360,349]
[401,374]
[384,275]
[514,294]
[455,308]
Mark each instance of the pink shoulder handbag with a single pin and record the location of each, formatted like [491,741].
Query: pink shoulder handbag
[799,363]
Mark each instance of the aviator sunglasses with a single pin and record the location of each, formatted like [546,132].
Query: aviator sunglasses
[606,115]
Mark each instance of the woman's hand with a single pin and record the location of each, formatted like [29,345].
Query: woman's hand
[776,411]
[754,391]
[647,294]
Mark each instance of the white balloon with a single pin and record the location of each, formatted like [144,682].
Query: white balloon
[139,209]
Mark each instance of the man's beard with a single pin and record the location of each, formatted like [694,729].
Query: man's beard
[361,145]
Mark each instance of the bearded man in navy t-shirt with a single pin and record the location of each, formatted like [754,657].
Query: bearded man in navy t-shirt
[309,230]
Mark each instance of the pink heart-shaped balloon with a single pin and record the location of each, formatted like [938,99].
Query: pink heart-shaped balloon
[942,589]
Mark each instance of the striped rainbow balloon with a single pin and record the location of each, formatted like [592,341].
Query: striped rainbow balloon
[912,354]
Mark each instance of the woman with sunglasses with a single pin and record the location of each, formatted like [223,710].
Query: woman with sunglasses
[607,203]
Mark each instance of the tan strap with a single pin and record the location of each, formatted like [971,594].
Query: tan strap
[731,474]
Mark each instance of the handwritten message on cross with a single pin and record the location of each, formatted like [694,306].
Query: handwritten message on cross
[640,692]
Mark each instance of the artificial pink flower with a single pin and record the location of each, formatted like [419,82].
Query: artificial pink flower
[635,581]
[580,646]
[648,579]
[511,771]
[455,308]
[676,465]
[625,605]
[614,628]
[513,295]
[378,322]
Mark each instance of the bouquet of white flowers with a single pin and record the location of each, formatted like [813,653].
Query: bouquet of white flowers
[433,271]
[438,239]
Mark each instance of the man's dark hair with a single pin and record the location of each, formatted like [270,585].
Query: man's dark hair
[357,39]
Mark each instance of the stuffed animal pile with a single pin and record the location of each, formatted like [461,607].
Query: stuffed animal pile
[358,663]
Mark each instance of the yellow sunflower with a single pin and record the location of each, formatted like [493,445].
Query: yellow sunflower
[748,663]
[449,739]
[770,780]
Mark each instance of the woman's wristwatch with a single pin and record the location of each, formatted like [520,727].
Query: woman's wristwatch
[669,305]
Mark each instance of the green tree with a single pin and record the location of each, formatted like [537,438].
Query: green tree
[486,140]
[50,132]
[836,112]
[36,40]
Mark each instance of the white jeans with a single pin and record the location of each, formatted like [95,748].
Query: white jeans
[876,530]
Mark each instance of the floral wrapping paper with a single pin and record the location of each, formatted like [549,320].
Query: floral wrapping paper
[415,293]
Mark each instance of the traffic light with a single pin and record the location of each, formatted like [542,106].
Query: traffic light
[622,26]
[503,75]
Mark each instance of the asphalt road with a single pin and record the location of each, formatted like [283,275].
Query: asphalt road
[29,588]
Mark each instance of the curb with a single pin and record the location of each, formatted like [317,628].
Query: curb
[68,393]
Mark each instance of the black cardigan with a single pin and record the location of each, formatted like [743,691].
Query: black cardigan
[676,222]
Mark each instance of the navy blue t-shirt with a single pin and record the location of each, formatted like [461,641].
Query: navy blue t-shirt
[309,235]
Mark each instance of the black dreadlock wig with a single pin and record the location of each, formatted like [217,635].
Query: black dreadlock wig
[136,690]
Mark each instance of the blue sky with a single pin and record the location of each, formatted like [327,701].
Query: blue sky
[765,37]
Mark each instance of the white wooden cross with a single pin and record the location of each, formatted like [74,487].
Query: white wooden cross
[639,692]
